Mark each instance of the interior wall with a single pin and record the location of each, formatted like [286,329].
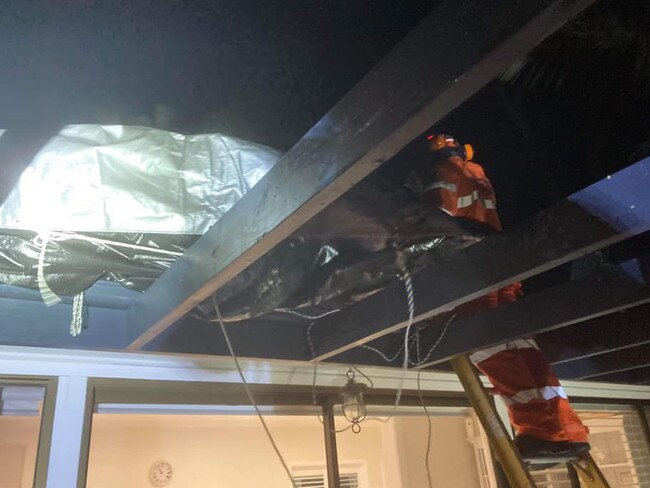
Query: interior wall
[204,451]
[452,460]
[18,447]
[233,451]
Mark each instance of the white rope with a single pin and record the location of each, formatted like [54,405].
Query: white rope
[408,284]
[410,302]
[305,316]
[77,322]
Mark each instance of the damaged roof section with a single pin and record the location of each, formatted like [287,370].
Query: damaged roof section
[311,262]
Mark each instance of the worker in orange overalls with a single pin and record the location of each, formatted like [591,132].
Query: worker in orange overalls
[545,423]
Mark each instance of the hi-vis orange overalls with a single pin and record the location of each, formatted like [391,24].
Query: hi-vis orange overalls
[537,403]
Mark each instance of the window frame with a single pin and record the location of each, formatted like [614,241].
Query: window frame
[44,445]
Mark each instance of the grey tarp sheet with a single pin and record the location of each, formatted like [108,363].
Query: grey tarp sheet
[96,178]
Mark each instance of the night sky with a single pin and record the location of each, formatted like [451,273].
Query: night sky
[260,70]
[267,71]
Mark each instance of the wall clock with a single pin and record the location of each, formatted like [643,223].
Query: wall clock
[160,473]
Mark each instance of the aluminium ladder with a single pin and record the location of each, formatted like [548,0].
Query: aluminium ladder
[514,467]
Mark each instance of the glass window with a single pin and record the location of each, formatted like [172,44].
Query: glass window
[203,446]
[391,448]
[617,445]
[20,423]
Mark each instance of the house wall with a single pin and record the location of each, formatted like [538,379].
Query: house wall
[204,451]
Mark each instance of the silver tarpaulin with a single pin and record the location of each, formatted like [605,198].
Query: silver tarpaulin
[94,178]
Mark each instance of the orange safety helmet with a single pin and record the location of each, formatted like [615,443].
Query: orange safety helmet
[444,146]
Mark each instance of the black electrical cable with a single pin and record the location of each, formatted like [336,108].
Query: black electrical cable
[313,381]
[426,410]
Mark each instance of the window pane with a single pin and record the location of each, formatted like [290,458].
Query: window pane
[218,446]
[390,450]
[20,423]
[617,445]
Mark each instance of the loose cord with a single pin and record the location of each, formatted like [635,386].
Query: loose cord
[304,315]
[426,410]
[420,362]
[371,383]
[381,354]
[438,340]
[250,395]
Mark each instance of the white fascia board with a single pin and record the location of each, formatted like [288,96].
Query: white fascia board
[18,360]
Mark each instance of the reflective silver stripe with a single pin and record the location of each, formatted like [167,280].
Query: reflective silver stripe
[448,212]
[441,184]
[483,354]
[467,200]
[48,296]
[546,393]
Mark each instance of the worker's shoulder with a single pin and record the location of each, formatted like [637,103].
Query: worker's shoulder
[474,165]
[475,168]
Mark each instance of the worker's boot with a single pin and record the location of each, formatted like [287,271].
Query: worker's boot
[534,448]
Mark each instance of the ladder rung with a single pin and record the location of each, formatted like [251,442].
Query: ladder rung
[551,460]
